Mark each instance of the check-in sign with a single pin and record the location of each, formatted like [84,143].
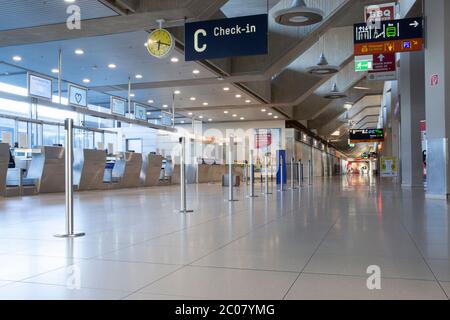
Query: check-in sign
[242,36]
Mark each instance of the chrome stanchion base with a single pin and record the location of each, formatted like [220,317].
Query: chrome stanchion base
[254,196]
[75,235]
[234,200]
[186,211]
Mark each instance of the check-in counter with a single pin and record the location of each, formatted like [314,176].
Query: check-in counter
[203,173]
[216,172]
[89,169]
[47,169]
[127,170]
[4,162]
[151,170]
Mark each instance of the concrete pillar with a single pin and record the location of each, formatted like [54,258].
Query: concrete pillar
[437,96]
[412,109]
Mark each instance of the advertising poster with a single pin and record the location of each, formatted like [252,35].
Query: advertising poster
[389,167]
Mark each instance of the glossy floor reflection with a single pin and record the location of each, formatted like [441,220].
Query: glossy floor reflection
[312,243]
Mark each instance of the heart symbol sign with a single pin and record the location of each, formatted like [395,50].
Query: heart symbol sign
[78,97]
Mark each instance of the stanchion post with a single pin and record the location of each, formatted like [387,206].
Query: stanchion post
[183,177]
[310,172]
[293,187]
[68,124]
[252,176]
[230,170]
[266,171]
[299,173]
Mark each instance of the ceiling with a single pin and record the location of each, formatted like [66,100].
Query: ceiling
[277,83]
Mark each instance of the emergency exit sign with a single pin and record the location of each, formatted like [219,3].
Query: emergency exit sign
[363,63]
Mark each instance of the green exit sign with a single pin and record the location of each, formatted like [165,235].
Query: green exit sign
[363,63]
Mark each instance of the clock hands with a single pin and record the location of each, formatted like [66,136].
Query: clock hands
[162,43]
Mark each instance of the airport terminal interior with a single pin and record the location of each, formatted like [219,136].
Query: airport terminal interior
[224,149]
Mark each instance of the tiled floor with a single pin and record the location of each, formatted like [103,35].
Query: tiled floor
[313,243]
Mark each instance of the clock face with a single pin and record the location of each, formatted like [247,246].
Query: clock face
[160,43]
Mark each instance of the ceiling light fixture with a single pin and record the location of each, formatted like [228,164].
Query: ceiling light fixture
[298,14]
[348,106]
[226,89]
[138,76]
[335,93]
[242,118]
[238,96]
[177,92]
[234,115]
[55,70]
[193,98]
[132,95]
[79,52]
[86,80]
[361,88]
[201,117]
[205,103]
[322,67]
[196,71]
[150,101]
[248,101]
[209,120]
[275,117]
[263,110]
[165,106]
[270,113]
[17,58]
[174,59]
[190,113]
[112,66]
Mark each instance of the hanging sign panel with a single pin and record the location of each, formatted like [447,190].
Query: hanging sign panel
[40,86]
[384,67]
[242,36]
[366,135]
[403,35]
[77,96]
[118,106]
[140,112]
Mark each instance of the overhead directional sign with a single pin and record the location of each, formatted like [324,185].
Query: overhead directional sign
[366,135]
[384,67]
[403,35]
[222,38]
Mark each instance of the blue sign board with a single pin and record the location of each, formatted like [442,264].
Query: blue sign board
[281,161]
[242,36]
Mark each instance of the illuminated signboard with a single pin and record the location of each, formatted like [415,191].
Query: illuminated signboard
[77,96]
[118,106]
[366,135]
[403,35]
[140,112]
[40,86]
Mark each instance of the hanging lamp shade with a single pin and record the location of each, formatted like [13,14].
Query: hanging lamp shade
[322,67]
[298,14]
[335,93]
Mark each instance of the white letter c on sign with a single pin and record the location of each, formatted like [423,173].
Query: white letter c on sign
[196,36]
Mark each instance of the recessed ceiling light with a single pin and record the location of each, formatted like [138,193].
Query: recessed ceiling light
[209,120]
[263,110]
[112,66]
[69,1]
[196,71]
[17,58]
[160,116]
[201,117]
[132,95]
[275,117]
[177,92]
[190,113]
[149,113]
[55,70]
[165,106]
[226,89]
[79,52]
[226,112]
[205,103]
[270,113]
[193,98]
[238,96]
[150,101]
[86,80]
[234,115]
[220,78]
[182,121]
[242,118]
[174,59]
[248,101]
[138,76]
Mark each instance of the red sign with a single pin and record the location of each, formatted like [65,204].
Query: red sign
[382,12]
[263,140]
[384,63]
[434,80]
[384,47]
